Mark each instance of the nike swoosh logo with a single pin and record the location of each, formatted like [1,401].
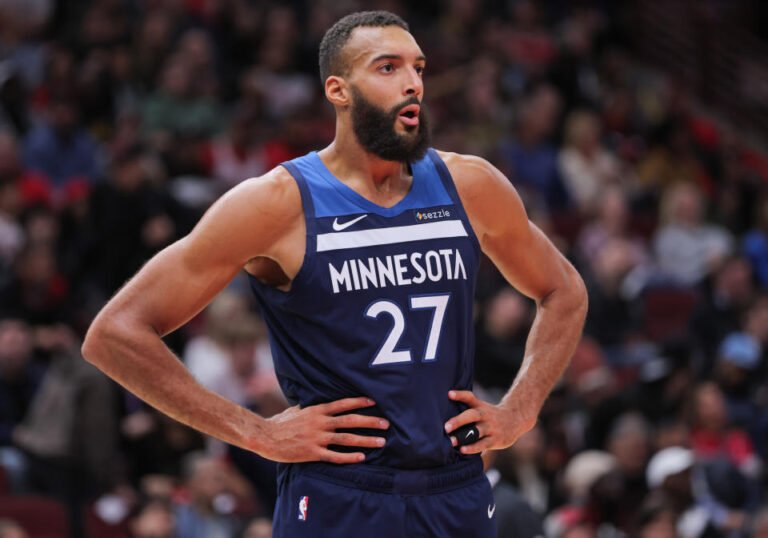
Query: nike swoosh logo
[491,510]
[469,434]
[343,226]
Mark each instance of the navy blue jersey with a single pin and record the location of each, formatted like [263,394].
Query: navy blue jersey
[381,307]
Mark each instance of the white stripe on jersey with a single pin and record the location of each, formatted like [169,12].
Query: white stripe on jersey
[388,236]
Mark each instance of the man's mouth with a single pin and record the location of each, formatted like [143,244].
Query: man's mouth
[409,115]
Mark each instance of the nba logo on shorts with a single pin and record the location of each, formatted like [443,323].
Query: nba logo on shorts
[303,506]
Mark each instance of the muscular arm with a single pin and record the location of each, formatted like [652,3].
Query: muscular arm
[531,264]
[125,342]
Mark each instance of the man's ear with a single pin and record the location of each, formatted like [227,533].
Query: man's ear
[337,91]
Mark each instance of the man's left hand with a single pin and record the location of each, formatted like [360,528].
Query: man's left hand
[499,426]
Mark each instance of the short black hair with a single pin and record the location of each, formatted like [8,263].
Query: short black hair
[331,61]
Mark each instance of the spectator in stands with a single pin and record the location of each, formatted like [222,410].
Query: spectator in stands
[484,116]
[755,242]
[500,340]
[232,358]
[739,361]
[613,319]
[721,309]
[713,435]
[529,45]
[611,222]
[238,155]
[514,516]
[624,490]
[11,232]
[69,433]
[59,148]
[250,377]
[38,292]
[203,355]
[285,91]
[132,211]
[11,168]
[760,524]
[260,527]
[155,444]
[755,324]
[581,474]
[687,249]
[103,24]
[575,71]
[196,49]
[661,390]
[523,467]
[215,493]
[586,167]
[14,109]
[669,476]
[530,159]
[178,108]
[655,519]
[595,397]
[11,529]
[154,41]
[154,519]
[20,378]
[76,237]
[671,160]
[41,226]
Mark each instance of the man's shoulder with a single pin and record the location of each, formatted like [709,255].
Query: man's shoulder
[458,159]
[485,192]
[277,177]
[272,197]
[275,186]
[470,172]
[466,163]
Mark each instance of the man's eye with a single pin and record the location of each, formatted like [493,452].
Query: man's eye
[387,68]
[420,70]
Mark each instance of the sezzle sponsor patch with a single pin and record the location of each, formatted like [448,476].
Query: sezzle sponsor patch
[431,215]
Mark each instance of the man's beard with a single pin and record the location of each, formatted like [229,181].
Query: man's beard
[375,130]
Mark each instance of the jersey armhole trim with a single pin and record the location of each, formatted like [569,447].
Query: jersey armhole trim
[450,187]
[306,202]
[308,211]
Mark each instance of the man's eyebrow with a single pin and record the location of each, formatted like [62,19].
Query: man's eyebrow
[420,58]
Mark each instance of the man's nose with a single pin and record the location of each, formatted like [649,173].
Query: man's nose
[415,86]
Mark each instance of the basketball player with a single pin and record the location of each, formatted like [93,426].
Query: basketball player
[363,257]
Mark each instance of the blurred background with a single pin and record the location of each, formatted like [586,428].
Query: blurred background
[636,132]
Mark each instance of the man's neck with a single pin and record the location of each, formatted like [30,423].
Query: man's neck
[350,162]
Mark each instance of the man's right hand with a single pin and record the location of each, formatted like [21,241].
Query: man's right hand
[299,435]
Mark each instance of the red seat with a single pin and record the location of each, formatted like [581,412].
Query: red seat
[39,516]
[95,527]
[5,486]
[668,312]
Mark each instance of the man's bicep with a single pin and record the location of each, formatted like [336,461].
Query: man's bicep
[528,260]
[183,278]
[171,288]
[519,249]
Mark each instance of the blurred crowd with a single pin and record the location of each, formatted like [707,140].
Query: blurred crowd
[122,120]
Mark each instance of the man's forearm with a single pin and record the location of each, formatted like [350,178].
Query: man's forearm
[138,359]
[553,338]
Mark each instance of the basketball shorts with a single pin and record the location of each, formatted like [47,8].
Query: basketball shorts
[322,500]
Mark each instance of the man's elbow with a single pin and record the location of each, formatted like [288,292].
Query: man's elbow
[92,343]
[97,340]
[578,298]
[568,297]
